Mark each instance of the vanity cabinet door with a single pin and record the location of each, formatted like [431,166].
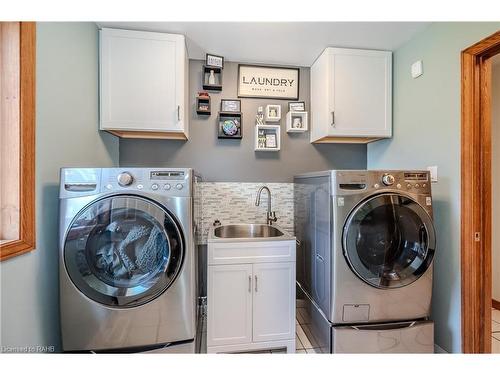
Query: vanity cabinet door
[229,304]
[273,301]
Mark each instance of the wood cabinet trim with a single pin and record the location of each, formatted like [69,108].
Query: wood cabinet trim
[27,239]
[475,241]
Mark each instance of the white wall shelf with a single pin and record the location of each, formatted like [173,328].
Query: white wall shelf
[273,113]
[267,131]
[291,124]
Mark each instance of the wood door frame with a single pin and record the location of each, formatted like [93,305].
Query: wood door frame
[26,241]
[476,194]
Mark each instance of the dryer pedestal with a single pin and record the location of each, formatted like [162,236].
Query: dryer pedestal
[410,337]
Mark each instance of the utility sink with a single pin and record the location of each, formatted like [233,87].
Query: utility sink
[247,231]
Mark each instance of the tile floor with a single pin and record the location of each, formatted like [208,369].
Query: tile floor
[495,331]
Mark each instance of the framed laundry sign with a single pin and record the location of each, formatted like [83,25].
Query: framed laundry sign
[257,81]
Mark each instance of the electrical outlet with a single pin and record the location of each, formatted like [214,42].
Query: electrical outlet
[434,173]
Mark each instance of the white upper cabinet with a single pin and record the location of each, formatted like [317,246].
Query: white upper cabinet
[351,96]
[143,84]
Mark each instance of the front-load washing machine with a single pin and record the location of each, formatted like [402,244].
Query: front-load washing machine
[367,243]
[127,259]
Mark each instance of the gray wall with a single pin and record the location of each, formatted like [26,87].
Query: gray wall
[426,114]
[235,160]
[66,135]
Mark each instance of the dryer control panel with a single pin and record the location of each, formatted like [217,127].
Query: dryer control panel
[345,182]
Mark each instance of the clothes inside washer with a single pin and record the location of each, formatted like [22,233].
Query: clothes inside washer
[130,253]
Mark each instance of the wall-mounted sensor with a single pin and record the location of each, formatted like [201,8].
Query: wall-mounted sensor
[417,69]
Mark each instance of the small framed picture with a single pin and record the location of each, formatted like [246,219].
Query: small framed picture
[271,140]
[214,60]
[296,106]
[230,105]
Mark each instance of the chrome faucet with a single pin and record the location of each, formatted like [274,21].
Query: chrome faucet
[271,215]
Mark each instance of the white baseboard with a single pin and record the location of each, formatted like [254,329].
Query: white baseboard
[439,350]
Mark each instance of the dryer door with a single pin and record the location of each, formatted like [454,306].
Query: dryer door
[123,250]
[389,241]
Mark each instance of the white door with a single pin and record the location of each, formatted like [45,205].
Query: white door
[273,301]
[141,80]
[360,101]
[229,304]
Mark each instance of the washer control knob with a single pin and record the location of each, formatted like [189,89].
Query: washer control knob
[179,186]
[398,186]
[388,179]
[109,186]
[408,186]
[376,186]
[167,187]
[140,186]
[417,185]
[125,179]
[154,187]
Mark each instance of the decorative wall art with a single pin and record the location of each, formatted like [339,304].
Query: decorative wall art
[256,81]
[230,105]
[214,61]
[230,125]
[296,106]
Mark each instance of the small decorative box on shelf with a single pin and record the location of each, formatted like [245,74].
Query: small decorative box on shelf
[203,104]
[267,137]
[212,78]
[296,122]
[230,125]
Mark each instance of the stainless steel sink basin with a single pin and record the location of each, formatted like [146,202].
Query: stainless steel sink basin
[247,231]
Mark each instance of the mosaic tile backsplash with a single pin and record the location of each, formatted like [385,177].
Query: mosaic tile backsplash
[234,202]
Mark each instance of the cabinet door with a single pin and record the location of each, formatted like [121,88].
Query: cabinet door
[361,94]
[274,301]
[229,302]
[142,78]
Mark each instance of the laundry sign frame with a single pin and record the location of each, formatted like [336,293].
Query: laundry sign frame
[264,81]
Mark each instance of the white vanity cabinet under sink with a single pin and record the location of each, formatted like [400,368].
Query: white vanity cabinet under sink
[251,294]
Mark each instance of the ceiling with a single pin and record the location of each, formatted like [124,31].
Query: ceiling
[285,43]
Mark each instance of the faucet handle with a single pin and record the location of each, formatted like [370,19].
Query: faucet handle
[272,216]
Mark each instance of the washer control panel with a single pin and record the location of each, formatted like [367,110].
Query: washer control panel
[171,182]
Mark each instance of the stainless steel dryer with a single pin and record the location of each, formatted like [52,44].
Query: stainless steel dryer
[127,259]
[364,264]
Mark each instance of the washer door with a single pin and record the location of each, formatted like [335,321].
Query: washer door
[389,241]
[123,251]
